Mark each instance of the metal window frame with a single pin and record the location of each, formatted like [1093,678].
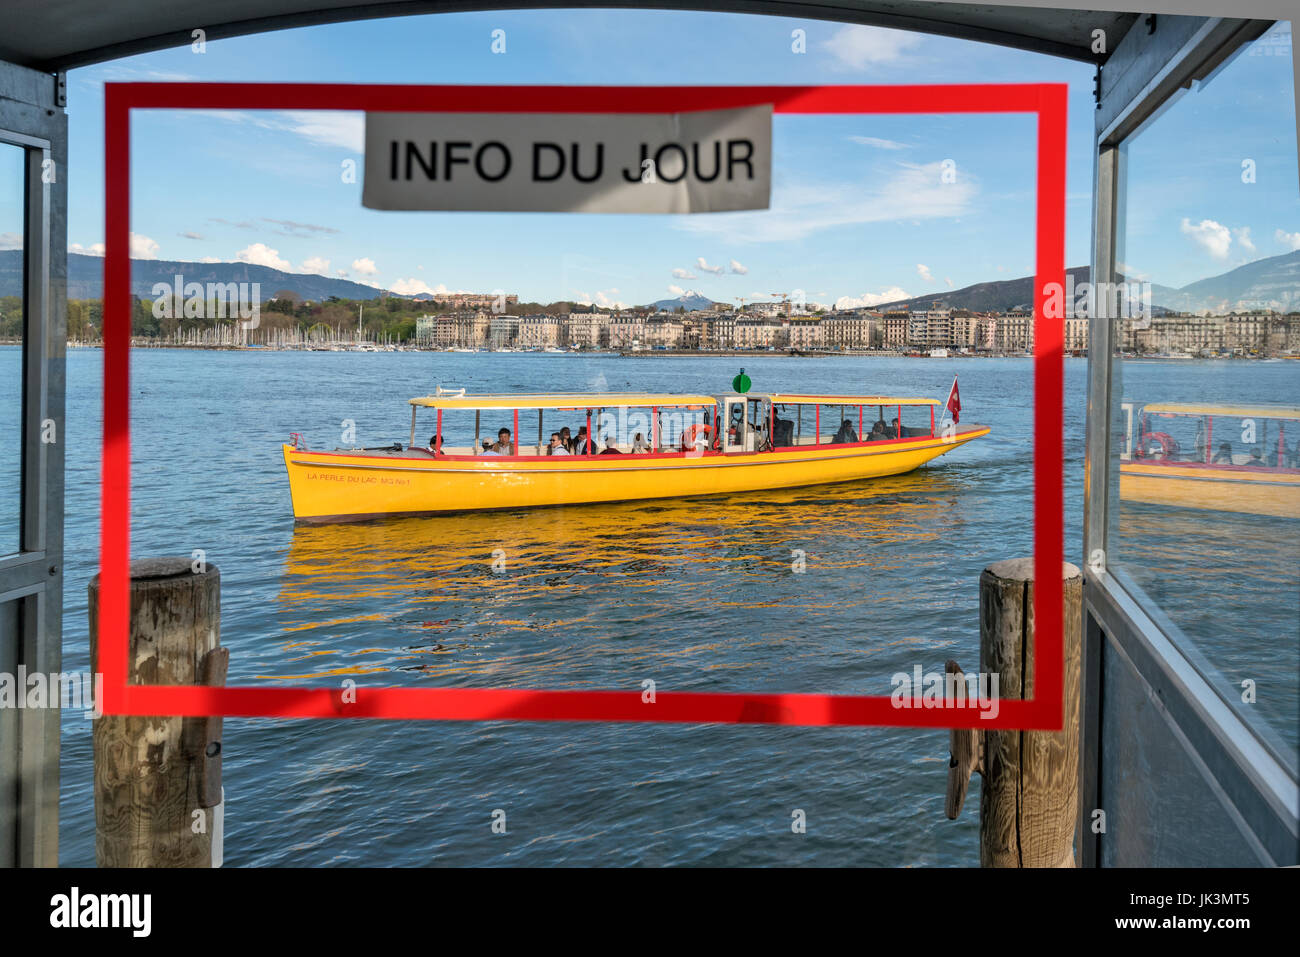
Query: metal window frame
[32,578]
[1239,760]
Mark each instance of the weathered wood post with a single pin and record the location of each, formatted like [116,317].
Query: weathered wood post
[157,779]
[1030,779]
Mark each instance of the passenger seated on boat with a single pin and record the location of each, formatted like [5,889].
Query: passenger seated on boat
[557,445]
[1256,458]
[846,433]
[1224,455]
[611,447]
[878,431]
[488,448]
[504,445]
[639,444]
[566,440]
[435,445]
[579,446]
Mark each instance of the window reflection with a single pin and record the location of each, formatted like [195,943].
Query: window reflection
[1205,506]
[12,184]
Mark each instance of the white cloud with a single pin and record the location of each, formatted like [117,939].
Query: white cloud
[347,130]
[209,259]
[684,274]
[738,269]
[322,127]
[869,299]
[923,271]
[142,247]
[1130,273]
[859,47]
[94,249]
[411,287]
[603,298]
[343,273]
[948,281]
[878,143]
[1242,236]
[913,194]
[317,265]
[1213,237]
[191,235]
[1289,240]
[677,290]
[364,266]
[259,254]
[705,267]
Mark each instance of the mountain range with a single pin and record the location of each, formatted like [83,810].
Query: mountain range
[86,277]
[688,300]
[1270,283]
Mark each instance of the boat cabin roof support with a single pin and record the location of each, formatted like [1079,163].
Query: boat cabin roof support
[563,401]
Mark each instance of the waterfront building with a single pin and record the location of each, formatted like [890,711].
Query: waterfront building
[804,334]
[850,331]
[586,330]
[895,329]
[539,332]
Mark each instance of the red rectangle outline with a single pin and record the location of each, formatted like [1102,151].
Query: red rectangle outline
[1043,711]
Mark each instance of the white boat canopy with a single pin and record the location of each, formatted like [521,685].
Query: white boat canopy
[565,401]
[783,398]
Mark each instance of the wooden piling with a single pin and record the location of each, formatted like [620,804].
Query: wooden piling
[157,779]
[1028,794]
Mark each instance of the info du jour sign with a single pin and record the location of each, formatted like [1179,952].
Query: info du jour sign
[696,162]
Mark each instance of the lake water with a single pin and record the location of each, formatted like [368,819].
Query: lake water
[696,595]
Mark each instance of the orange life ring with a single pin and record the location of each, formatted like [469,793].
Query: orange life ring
[1167,443]
[692,433]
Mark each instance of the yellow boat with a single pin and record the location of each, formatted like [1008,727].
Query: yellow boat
[1230,458]
[631,447]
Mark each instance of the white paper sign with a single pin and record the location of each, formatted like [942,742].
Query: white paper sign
[703,162]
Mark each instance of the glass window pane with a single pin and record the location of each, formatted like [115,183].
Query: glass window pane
[12,182]
[1205,502]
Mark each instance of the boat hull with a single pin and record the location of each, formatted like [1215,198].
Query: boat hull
[1223,490]
[341,486]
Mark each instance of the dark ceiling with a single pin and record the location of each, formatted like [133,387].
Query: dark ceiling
[54,35]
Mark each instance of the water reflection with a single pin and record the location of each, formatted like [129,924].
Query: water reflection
[742,589]
[1229,582]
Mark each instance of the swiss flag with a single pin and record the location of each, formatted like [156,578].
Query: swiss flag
[954,401]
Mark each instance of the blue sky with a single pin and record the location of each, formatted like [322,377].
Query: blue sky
[856,213]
